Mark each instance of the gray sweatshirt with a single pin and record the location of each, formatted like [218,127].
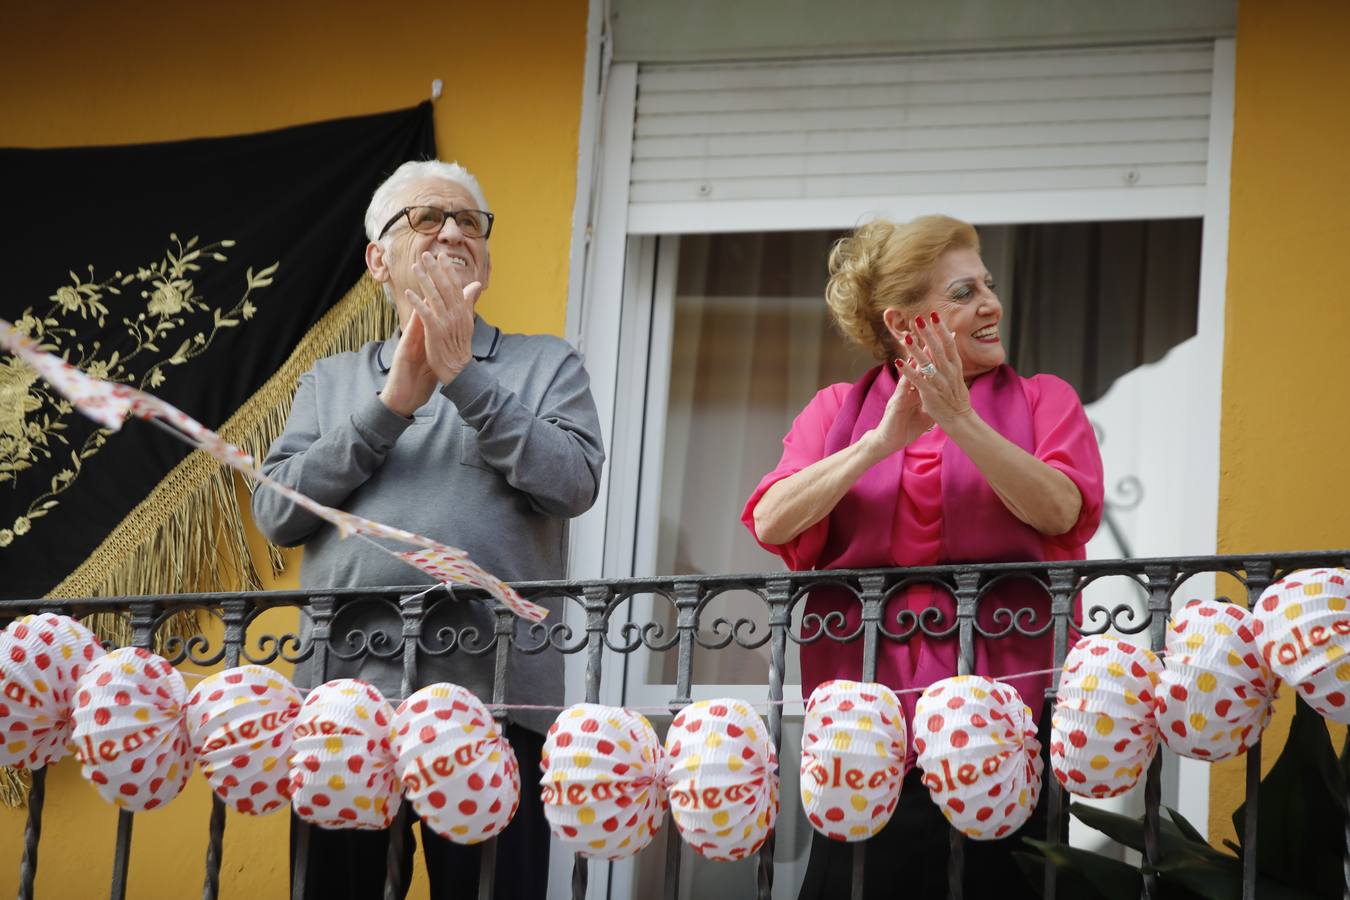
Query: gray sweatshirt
[495,463]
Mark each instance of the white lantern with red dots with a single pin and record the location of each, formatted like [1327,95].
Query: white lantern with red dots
[853,759]
[241,722]
[1103,731]
[130,737]
[602,783]
[457,769]
[1305,636]
[342,762]
[723,778]
[978,751]
[41,660]
[1215,693]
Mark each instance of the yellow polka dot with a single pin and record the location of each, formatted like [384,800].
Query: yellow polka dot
[1089,683]
[597,845]
[734,763]
[1130,698]
[1198,721]
[1195,641]
[65,651]
[269,763]
[1233,659]
[333,745]
[585,815]
[1223,629]
[714,740]
[336,783]
[1099,762]
[142,714]
[720,818]
[842,741]
[361,802]
[858,829]
[459,829]
[1343,672]
[40,685]
[1104,724]
[1293,611]
[1206,682]
[1334,652]
[1313,590]
[865,723]
[807,797]
[1115,669]
[583,760]
[859,802]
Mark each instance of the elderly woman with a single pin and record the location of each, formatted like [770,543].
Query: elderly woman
[940,454]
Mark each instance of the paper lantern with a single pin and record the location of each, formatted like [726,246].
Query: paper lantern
[241,723]
[603,781]
[1215,693]
[1103,732]
[977,746]
[853,759]
[457,769]
[1327,690]
[342,761]
[1305,634]
[41,660]
[130,737]
[723,778]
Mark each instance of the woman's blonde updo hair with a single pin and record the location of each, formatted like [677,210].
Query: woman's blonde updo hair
[884,264]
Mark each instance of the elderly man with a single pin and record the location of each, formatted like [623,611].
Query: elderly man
[480,439]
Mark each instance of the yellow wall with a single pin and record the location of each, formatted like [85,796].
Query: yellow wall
[95,73]
[1285,431]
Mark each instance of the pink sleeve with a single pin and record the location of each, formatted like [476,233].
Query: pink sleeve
[1065,440]
[803,445]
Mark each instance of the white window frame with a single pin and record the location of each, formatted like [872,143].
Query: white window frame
[624,299]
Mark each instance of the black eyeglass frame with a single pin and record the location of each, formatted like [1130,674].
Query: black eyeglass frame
[447,213]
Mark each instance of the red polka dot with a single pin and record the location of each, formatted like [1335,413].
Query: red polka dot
[935,723]
[960,738]
[475,782]
[834,814]
[468,807]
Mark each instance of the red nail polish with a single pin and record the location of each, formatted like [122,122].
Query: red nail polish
[909,339]
[919,321]
[934,316]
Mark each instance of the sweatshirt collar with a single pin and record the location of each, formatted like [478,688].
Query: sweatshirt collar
[486,339]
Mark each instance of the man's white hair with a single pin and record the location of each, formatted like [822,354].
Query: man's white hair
[388,197]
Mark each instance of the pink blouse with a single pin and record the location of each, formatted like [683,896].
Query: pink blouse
[1063,439]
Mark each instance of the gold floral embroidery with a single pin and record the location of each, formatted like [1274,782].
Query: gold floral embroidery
[33,418]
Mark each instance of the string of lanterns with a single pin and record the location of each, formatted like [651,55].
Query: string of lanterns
[343,757]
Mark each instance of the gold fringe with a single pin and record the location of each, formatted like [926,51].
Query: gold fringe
[175,538]
[188,534]
[14,785]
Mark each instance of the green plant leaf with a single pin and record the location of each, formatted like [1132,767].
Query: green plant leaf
[1081,874]
[1301,811]
[1130,832]
[1185,827]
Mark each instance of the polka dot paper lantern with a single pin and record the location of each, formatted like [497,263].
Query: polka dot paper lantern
[342,762]
[723,778]
[603,781]
[977,747]
[130,737]
[1215,693]
[853,759]
[41,660]
[457,769]
[1305,636]
[241,723]
[1103,733]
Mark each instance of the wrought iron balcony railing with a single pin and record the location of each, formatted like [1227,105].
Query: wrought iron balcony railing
[686,629]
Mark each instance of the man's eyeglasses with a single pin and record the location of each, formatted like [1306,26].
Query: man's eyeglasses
[474,223]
